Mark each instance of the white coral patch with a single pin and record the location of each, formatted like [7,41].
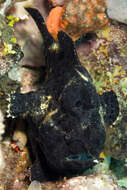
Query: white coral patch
[35,185]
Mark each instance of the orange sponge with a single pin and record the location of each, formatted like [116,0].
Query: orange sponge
[53,21]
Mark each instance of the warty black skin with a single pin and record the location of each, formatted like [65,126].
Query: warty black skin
[66,116]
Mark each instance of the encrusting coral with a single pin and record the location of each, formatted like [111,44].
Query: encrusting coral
[53,21]
[77,17]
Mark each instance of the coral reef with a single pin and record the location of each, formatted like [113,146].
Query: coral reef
[105,51]
[78,17]
[108,57]
[81,17]
[92,182]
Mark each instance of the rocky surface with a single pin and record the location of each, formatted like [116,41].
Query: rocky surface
[81,17]
[90,182]
[117,10]
[14,173]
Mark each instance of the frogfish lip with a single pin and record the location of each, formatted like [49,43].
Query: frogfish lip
[81,157]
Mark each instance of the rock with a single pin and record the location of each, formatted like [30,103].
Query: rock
[35,185]
[81,17]
[117,10]
[90,182]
